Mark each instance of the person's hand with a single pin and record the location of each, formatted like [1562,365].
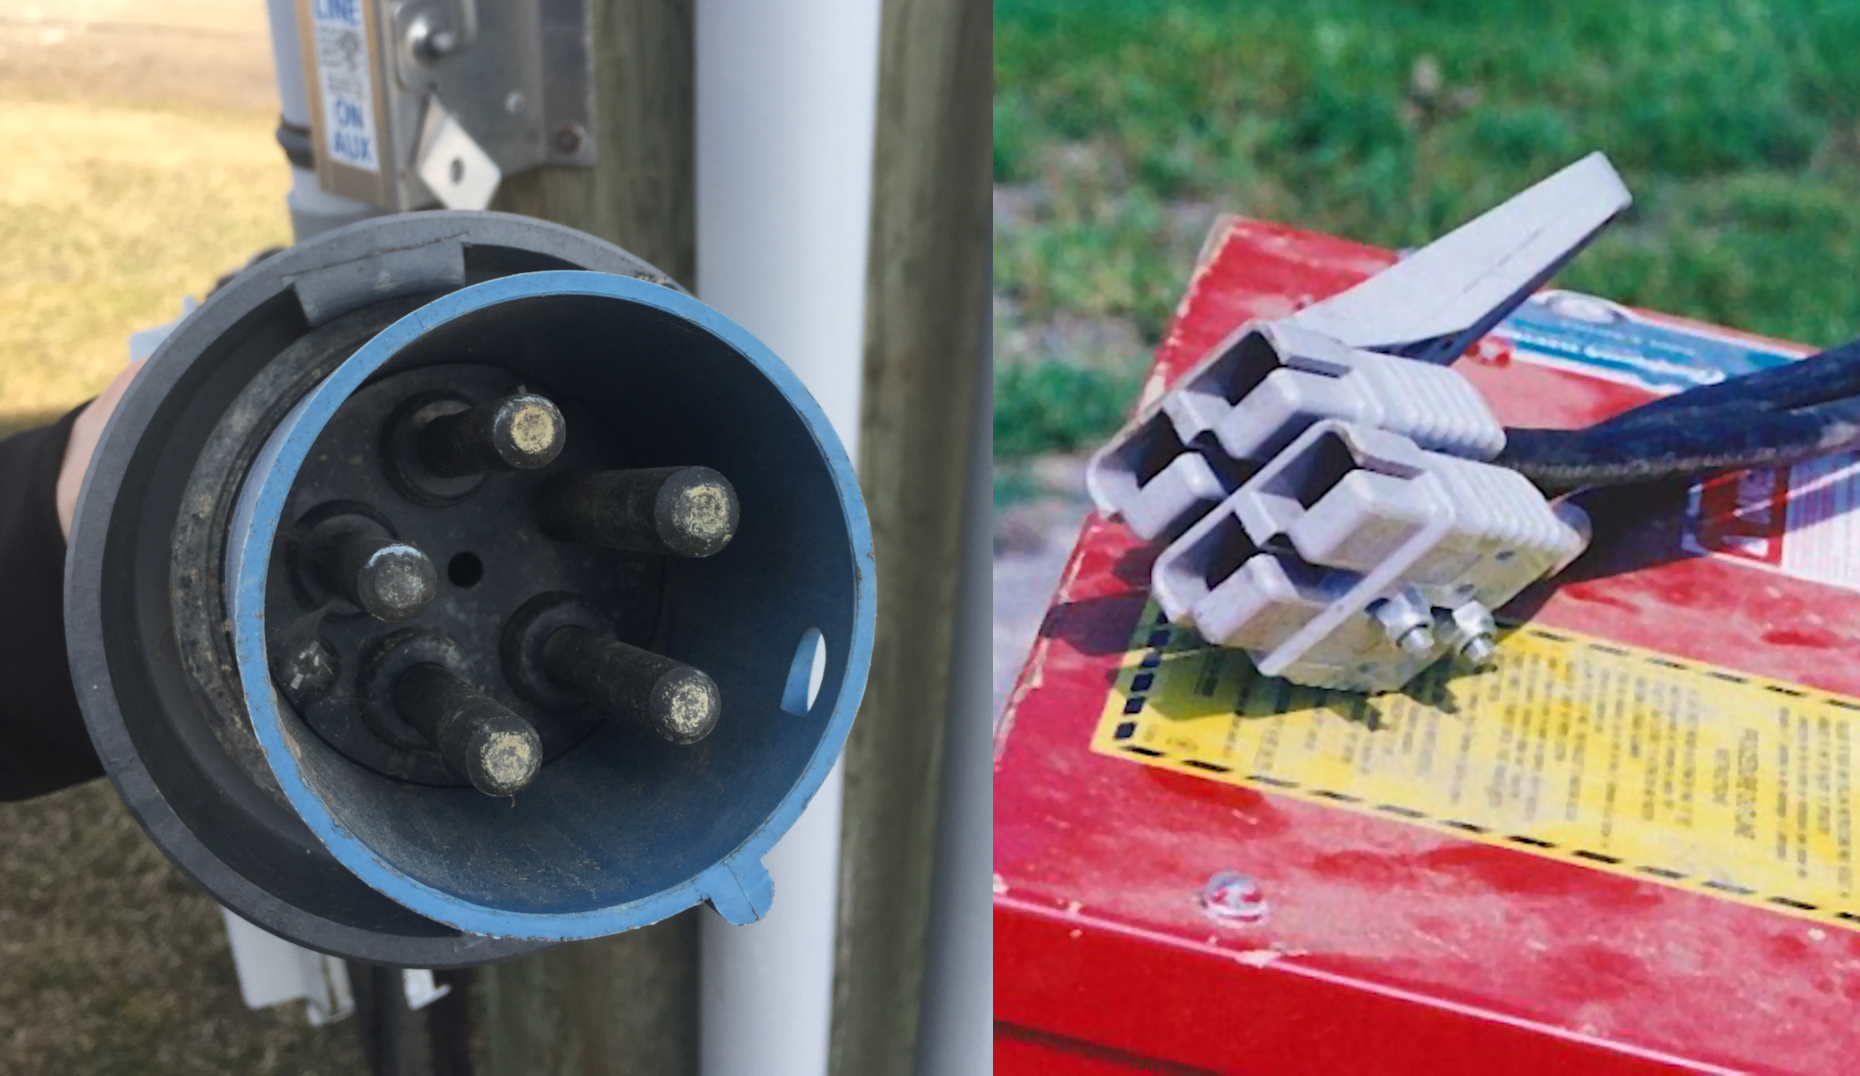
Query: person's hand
[83,442]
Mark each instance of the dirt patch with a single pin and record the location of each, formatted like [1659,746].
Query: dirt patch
[194,53]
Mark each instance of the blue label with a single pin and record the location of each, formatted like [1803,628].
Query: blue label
[1611,341]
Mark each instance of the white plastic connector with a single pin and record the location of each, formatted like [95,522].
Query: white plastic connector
[1250,397]
[1261,387]
[1322,478]
[1351,548]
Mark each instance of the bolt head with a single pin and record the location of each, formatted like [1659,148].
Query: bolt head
[1233,897]
[1473,618]
[306,672]
[568,137]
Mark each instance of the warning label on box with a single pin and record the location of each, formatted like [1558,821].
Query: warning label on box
[1574,748]
[1798,520]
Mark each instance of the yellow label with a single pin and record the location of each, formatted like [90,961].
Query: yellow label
[1571,747]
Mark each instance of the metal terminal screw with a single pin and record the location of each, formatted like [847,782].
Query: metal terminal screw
[1473,630]
[568,137]
[1234,897]
[495,749]
[1416,642]
[431,44]
[1407,623]
[1479,652]
[306,672]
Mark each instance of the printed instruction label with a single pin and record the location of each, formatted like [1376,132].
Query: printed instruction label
[1573,748]
[1800,521]
[342,72]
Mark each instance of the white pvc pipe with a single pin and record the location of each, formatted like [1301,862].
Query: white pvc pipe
[313,210]
[287,60]
[786,102]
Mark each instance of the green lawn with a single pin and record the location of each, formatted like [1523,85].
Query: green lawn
[1122,126]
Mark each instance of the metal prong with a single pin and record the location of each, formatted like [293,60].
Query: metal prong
[389,580]
[680,511]
[677,701]
[516,433]
[492,747]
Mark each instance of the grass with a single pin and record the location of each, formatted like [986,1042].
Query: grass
[111,961]
[109,214]
[1121,123]
[1041,404]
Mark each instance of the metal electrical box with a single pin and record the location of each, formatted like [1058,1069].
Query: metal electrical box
[422,102]
[1626,847]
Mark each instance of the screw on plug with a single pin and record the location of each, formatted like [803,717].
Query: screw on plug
[676,511]
[305,670]
[1407,624]
[495,749]
[387,579]
[1472,635]
[517,433]
[1479,652]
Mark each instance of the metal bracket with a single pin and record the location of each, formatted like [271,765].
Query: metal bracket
[516,79]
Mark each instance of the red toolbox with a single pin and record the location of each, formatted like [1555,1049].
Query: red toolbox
[1628,847]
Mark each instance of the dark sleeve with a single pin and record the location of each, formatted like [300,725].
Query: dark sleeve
[43,744]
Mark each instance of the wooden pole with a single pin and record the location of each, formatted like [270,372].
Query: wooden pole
[925,301]
[642,193]
[628,1004]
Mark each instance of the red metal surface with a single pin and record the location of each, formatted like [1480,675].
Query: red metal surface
[1389,948]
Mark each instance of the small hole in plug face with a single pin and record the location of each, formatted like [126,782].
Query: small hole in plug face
[458,170]
[805,673]
[465,569]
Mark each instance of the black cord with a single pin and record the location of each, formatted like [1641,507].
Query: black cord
[1767,419]
[1682,442]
